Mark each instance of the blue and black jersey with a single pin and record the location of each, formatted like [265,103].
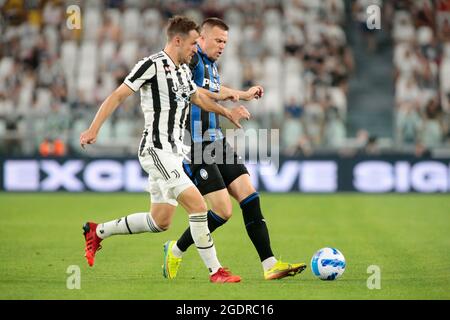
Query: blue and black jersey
[204,126]
[205,131]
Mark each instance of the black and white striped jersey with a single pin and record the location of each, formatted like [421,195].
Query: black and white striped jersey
[165,90]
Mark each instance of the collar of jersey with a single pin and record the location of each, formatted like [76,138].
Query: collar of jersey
[200,52]
[170,60]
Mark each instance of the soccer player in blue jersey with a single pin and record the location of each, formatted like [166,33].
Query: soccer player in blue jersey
[217,180]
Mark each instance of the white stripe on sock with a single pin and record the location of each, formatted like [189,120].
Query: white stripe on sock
[203,241]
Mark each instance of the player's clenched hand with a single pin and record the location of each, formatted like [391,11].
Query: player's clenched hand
[238,113]
[87,137]
[255,92]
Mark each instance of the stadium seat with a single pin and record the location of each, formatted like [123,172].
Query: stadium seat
[52,38]
[6,65]
[233,17]
[106,134]
[273,38]
[91,23]
[231,73]
[69,54]
[151,16]
[339,100]
[77,127]
[272,73]
[128,52]
[445,75]
[124,130]
[2,127]
[107,51]
[272,17]
[291,132]
[115,16]
[131,23]
[294,86]
[87,72]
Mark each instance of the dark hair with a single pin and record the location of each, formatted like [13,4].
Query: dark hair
[215,22]
[180,25]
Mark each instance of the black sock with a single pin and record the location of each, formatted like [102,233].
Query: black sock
[256,226]
[214,221]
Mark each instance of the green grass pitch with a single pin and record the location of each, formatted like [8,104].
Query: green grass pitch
[407,236]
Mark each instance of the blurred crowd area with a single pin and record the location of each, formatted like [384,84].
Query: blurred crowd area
[53,78]
[421,40]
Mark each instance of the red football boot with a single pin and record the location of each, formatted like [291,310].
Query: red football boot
[224,275]
[92,242]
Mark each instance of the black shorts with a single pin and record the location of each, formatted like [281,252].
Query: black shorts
[218,172]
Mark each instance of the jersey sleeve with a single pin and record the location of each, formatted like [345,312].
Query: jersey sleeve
[194,62]
[143,71]
[192,85]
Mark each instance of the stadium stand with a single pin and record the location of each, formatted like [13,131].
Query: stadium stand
[302,51]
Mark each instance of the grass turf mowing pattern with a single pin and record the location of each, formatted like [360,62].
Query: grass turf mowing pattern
[407,236]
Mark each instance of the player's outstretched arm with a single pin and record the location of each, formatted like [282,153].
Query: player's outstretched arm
[207,104]
[108,106]
[254,92]
[221,96]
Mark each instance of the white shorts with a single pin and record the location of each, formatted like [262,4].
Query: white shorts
[166,177]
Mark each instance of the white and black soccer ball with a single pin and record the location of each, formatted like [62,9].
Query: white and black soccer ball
[328,264]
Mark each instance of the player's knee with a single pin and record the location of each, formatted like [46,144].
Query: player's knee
[164,226]
[192,201]
[241,188]
[226,214]
[222,207]
[245,192]
[162,222]
[223,212]
[199,206]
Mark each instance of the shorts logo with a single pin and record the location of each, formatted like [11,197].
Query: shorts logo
[204,174]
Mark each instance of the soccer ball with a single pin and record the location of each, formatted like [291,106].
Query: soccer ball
[328,264]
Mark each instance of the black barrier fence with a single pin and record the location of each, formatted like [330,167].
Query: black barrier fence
[308,175]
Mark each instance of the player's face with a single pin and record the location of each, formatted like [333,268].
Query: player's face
[188,47]
[215,41]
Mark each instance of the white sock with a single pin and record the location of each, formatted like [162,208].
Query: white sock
[177,251]
[203,241]
[268,263]
[133,223]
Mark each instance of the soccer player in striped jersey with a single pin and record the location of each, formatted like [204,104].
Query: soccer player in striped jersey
[217,180]
[166,88]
